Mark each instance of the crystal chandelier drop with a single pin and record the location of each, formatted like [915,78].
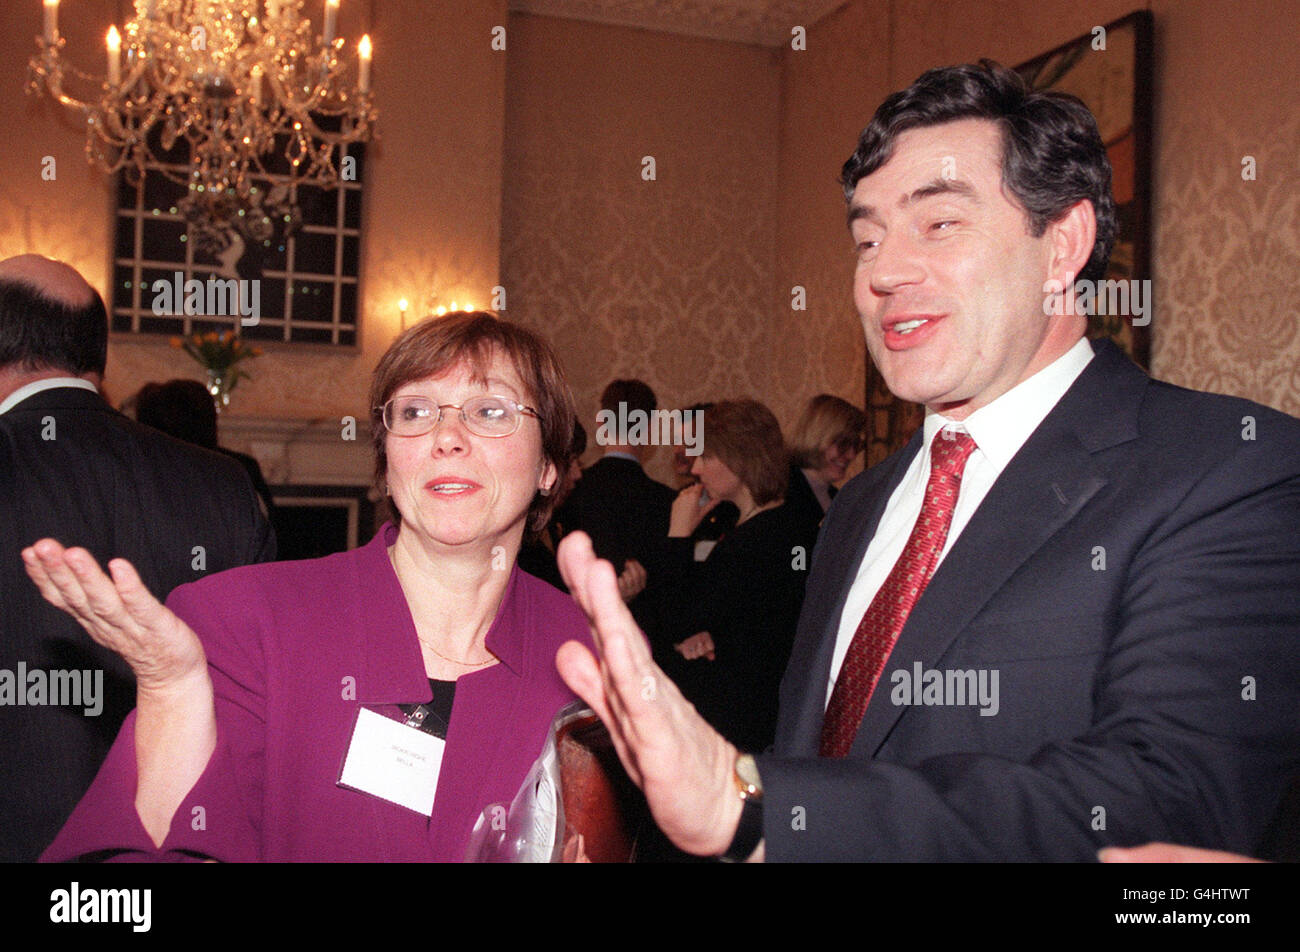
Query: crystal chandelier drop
[248,85]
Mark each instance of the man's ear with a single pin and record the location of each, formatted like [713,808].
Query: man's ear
[1072,236]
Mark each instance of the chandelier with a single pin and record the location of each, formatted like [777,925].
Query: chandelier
[248,85]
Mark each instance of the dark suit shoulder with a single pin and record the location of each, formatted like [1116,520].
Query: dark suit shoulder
[77,422]
[1213,422]
[615,474]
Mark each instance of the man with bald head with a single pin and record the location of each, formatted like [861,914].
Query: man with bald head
[75,469]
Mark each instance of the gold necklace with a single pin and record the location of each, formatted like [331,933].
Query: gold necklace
[463,664]
[392,558]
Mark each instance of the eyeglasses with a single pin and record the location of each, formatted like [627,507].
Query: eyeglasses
[487,415]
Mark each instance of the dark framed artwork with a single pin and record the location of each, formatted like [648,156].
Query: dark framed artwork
[1110,69]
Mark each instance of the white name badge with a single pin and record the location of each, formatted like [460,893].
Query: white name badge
[397,763]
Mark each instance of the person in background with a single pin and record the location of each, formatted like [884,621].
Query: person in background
[622,509]
[184,409]
[74,468]
[263,692]
[825,441]
[718,519]
[726,633]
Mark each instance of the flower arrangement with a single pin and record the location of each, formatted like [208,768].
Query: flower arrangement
[220,355]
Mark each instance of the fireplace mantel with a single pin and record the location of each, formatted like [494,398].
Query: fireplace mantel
[304,452]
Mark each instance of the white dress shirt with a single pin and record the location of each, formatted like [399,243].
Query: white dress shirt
[49,383]
[999,430]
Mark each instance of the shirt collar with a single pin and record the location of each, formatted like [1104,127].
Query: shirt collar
[37,386]
[1002,427]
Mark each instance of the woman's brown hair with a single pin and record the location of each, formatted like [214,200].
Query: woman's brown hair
[746,436]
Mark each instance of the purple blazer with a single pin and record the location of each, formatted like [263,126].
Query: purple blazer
[294,649]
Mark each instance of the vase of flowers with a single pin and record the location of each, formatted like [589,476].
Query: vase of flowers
[219,355]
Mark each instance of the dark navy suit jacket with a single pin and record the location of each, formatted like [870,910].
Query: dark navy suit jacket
[1133,577]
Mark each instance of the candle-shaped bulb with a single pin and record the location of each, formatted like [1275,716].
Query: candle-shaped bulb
[51,21]
[114,44]
[363,66]
[331,20]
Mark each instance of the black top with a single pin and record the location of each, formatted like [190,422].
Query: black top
[800,496]
[623,510]
[436,717]
[746,595]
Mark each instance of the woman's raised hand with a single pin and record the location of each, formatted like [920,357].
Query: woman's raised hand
[687,513]
[117,612]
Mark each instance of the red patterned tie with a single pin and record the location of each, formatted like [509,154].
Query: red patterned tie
[884,619]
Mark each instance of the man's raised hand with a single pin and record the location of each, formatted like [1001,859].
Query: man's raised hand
[682,764]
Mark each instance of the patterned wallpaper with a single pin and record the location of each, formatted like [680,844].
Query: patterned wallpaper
[669,280]
[1227,249]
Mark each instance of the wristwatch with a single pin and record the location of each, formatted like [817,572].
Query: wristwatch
[749,832]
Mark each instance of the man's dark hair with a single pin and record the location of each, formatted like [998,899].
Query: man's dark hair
[40,333]
[635,393]
[1052,153]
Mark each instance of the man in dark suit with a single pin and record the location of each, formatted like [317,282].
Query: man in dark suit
[75,469]
[1066,616]
[622,509]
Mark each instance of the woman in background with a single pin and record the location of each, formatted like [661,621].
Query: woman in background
[734,614]
[184,409]
[826,440]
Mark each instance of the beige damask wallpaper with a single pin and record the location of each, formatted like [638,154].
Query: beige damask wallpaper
[1227,200]
[626,289]
[637,226]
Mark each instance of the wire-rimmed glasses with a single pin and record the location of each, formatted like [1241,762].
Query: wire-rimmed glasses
[487,415]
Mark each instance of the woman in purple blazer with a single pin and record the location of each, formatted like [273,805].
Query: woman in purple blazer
[372,704]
